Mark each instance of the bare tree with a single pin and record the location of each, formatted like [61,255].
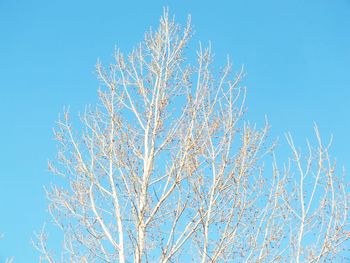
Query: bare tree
[166,170]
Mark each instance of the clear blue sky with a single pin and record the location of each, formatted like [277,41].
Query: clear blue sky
[296,54]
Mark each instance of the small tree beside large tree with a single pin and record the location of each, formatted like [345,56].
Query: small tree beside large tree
[166,170]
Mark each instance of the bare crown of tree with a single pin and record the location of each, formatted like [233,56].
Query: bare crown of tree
[166,170]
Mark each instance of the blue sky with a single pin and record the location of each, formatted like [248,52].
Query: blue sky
[296,54]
